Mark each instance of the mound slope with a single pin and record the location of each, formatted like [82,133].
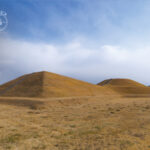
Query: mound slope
[126,87]
[45,84]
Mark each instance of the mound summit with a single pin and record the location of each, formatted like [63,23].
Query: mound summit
[126,87]
[46,84]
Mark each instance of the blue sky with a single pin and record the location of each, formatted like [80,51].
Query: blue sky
[91,40]
[56,20]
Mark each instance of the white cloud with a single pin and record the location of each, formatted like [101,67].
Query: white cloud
[74,59]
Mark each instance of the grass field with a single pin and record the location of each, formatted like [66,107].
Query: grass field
[75,123]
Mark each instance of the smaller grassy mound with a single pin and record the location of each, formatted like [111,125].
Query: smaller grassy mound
[126,87]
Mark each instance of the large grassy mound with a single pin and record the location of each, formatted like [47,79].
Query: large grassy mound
[45,84]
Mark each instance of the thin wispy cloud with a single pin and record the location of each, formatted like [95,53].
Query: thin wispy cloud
[75,60]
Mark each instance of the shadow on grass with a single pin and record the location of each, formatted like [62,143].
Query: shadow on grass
[32,104]
[137,96]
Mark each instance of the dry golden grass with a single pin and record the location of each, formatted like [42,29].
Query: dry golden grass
[75,123]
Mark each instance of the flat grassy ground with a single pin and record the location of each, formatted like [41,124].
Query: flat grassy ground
[81,123]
